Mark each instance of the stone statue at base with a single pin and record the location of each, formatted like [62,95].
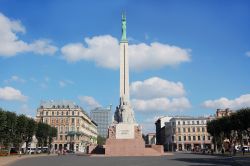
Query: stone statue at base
[124,113]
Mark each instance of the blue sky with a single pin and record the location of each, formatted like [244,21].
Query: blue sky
[186,57]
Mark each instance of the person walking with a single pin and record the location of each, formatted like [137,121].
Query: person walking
[243,151]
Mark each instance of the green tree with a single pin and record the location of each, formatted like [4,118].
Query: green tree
[42,134]
[214,130]
[21,131]
[10,129]
[30,131]
[101,140]
[3,124]
[52,134]
[244,120]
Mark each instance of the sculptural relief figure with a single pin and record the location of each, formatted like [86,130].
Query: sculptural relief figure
[124,113]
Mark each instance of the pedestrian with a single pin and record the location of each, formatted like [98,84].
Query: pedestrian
[243,151]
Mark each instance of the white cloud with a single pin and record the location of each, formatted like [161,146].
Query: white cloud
[101,49]
[64,83]
[9,93]
[15,78]
[156,87]
[161,104]
[89,102]
[248,53]
[223,102]
[104,51]
[156,94]
[10,44]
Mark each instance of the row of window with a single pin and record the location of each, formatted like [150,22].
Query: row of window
[190,122]
[62,113]
[62,120]
[194,129]
[68,138]
[192,138]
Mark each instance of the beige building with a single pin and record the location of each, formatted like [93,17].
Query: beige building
[75,128]
[223,112]
[187,133]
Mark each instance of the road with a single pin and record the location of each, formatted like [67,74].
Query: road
[178,159]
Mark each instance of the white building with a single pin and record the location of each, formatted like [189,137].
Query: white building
[187,133]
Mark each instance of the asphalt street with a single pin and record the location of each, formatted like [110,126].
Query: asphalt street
[178,159]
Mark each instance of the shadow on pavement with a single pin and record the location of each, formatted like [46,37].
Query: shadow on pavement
[209,161]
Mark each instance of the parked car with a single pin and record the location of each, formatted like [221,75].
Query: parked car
[246,148]
[31,150]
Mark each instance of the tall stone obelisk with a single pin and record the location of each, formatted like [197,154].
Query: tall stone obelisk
[124,135]
[124,112]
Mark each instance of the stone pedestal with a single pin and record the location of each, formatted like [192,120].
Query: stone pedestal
[126,140]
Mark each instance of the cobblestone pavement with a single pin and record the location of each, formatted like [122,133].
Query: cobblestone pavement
[178,159]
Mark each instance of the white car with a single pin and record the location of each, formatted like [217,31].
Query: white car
[246,148]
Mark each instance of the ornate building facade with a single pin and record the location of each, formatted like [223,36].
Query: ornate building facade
[75,128]
[187,133]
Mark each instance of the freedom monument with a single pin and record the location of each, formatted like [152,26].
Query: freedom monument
[125,135]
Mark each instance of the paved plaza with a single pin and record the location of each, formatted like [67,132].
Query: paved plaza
[178,159]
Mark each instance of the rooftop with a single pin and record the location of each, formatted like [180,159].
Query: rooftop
[58,104]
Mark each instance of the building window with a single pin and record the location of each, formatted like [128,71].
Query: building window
[179,138]
[208,137]
[183,122]
[192,122]
[52,113]
[189,138]
[184,138]
[61,129]
[172,138]
[194,138]
[57,113]
[73,113]
[198,129]
[198,122]
[66,137]
[188,122]
[62,120]
[204,138]
[184,130]
[179,122]
[47,113]
[179,130]
[193,129]
[199,138]
[62,112]
[203,129]
[61,137]
[188,129]
[73,120]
